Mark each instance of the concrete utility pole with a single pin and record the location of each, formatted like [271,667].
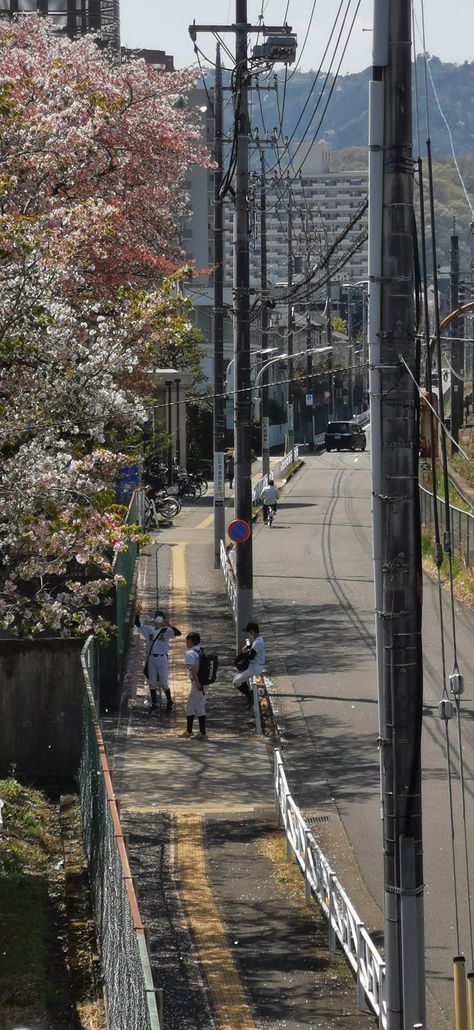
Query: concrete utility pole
[264,317]
[242,403]
[219,398]
[278,46]
[289,319]
[397,559]
[457,349]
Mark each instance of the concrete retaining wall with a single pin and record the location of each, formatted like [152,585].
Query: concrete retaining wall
[41,692]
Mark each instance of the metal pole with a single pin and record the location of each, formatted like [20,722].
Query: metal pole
[329,340]
[309,379]
[178,427]
[289,310]
[265,387]
[219,399]
[242,405]
[457,350]
[397,538]
[351,352]
[168,384]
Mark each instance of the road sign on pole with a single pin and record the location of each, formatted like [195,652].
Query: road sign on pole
[238,531]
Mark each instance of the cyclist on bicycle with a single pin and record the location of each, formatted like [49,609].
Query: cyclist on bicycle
[269,497]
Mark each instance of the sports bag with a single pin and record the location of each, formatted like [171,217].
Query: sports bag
[242,661]
[207,669]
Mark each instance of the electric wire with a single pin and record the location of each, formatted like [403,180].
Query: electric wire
[301,49]
[447,535]
[315,81]
[331,90]
[46,426]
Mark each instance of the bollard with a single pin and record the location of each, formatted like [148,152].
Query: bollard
[460,1001]
[470,998]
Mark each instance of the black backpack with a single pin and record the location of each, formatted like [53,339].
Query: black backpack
[207,670]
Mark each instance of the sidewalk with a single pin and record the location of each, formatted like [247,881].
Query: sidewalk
[232,943]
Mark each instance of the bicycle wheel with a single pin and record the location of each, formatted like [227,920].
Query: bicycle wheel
[203,484]
[169,507]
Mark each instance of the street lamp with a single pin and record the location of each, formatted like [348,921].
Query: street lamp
[264,350]
[279,357]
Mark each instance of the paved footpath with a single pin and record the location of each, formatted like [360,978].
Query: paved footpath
[232,943]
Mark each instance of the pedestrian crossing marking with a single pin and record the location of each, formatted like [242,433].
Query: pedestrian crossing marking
[206,522]
[228,996]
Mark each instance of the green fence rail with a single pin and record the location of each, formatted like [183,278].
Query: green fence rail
[131,1000]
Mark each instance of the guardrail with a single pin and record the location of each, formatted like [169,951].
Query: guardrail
[276,472]
[462,524]
[321,883]
[229,577]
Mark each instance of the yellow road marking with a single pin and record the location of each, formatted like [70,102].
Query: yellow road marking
[228,996]
[206,522]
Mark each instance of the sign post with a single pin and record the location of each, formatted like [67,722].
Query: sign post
[238,531]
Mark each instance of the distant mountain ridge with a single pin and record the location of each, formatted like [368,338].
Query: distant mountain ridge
[344,124]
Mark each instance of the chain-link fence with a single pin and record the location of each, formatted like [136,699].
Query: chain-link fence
[130,998]
[462,525]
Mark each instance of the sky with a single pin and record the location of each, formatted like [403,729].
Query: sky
[449,27]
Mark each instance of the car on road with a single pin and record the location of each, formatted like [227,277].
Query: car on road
[346,435]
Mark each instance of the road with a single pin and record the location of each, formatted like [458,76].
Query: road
[314,587]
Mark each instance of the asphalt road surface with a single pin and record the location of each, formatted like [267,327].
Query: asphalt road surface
[314,576]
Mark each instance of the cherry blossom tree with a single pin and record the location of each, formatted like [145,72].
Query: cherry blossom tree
[93,164]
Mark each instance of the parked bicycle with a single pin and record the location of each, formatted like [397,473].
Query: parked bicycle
[159,504]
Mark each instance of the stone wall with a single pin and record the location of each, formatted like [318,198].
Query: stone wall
[41,692]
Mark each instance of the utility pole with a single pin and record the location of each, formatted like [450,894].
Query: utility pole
[219,399]
[350,333]
[309,377]
[242,402]
[396,528]
[264,318]
[329,343]
[457,349]
[289,318]
[278,46]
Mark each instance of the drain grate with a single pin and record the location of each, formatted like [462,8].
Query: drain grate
[314,820]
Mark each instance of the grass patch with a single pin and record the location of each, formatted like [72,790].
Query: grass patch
[463,468]
[34,982]
[463,578]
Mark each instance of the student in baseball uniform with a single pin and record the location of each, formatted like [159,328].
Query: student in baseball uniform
[157,637]
[256,650]
[196,703]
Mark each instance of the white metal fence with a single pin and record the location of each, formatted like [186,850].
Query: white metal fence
[321,883]
[229,575]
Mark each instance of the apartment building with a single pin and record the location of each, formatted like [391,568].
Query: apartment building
[74,18]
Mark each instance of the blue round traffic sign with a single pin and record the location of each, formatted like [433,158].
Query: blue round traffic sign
[238,531]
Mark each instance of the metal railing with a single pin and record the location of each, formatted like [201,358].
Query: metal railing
[276,472]
[321,882]
[229,576]
[462,525]
[130,998]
